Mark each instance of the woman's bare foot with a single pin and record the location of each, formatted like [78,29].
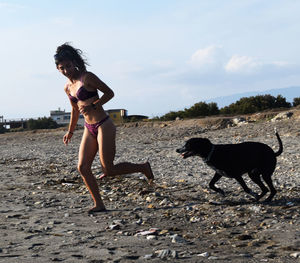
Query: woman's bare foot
[102,176]
[97,209]
[149,173]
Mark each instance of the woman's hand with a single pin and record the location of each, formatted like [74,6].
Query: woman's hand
[67,137]
[84,109]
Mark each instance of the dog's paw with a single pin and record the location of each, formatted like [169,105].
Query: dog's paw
[220,191]
[255,195]
[217,190]
[268,200]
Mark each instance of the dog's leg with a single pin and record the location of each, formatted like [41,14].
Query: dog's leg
[255,177]
[245,187]
[212,186]
[267,178]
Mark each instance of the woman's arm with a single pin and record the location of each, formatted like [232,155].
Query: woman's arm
[73,120]
[93,81]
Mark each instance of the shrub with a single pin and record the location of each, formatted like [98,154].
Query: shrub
[245,105]
[2,129]
[296,101]
[253,104]
[281,102]
[172,115]
[42,123]
[199,109]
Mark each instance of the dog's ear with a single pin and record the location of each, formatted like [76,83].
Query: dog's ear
[201,145]
[202,142]
[207,141]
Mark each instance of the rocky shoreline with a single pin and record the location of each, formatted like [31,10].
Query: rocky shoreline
[44,202]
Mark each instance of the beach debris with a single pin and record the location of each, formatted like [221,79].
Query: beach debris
[295,255]
[44,200]
[166,253]
[282,116]
[204,254]
[178,239]
[151,231]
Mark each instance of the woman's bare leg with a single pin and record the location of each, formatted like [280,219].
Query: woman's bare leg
[107,151]
[87,152]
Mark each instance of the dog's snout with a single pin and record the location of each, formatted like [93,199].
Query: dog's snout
[180,150]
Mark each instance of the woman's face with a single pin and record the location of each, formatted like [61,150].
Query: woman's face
[67,68]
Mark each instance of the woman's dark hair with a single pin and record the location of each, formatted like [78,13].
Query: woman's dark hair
[66,52]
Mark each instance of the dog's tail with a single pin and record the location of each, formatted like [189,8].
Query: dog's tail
[280,144]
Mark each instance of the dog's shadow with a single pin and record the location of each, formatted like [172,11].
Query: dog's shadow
[283,202]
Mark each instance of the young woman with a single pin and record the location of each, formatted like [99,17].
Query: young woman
[99,132]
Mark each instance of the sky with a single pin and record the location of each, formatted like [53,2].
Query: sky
[157,56]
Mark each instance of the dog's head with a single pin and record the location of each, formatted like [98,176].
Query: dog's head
[195,146]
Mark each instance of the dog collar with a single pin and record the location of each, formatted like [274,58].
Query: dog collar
[210,154]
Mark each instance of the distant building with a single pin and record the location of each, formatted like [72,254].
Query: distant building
[117,115]
[63,118]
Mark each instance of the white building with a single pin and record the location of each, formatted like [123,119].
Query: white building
[63,117]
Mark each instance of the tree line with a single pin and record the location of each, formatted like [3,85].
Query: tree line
[32,124]
[245,105]
[41,123]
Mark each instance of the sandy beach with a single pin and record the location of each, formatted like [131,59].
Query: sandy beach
[44,202]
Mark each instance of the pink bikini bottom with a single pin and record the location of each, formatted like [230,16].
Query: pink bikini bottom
[93,128]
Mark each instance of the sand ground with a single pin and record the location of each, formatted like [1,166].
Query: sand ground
[43,209]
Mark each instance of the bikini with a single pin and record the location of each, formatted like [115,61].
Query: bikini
[83,94]
[93,128]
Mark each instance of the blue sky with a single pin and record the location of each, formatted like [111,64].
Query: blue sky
[156,55]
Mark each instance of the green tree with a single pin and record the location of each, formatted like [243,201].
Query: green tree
[170,116]
[2,129]
[281,102]
[213,108]
[199,109]
[253,104]
[296,101]
[42,123]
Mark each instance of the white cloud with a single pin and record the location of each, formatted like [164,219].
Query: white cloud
[213,59]
[243,64]
[209,57]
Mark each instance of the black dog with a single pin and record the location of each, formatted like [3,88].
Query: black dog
[234,160]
